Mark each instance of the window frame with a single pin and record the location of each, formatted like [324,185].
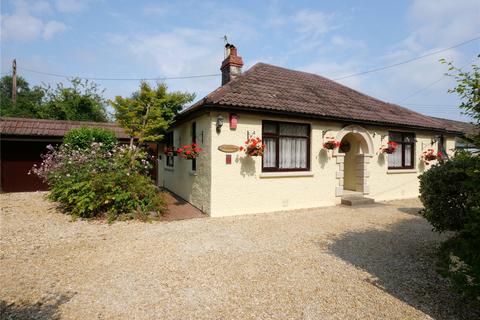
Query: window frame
[169,136]
[403,143]
[277,136]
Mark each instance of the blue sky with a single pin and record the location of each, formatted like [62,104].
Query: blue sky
[148,39]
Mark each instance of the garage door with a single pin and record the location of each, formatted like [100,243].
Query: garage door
[17,158]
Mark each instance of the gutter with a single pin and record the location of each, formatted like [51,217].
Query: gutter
[190,113]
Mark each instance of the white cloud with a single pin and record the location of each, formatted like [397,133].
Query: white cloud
[156,9]
[51,28]
[444,22]
[346,43]
[180,52]
[24,25]
[21,27]
[313,23]
[71,5]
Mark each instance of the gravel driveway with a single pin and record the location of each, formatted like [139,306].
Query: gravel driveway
[329,263]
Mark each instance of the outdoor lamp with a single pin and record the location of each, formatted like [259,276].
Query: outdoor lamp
[219,122]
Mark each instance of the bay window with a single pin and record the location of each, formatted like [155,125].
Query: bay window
[287,146]
[404,155]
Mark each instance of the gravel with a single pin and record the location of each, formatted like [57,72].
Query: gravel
[375,262]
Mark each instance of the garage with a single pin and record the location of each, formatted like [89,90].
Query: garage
[23,141]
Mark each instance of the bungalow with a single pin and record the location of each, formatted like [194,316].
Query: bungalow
[294,114]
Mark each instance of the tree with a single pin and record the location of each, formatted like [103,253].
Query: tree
[148,113]
[468,89]
[82,101]
[28,102]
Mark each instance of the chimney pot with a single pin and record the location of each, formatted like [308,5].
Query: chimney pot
[231,65]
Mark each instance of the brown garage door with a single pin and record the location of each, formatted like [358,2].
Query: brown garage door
[18,157]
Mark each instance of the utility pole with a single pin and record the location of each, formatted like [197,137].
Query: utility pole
[14,80]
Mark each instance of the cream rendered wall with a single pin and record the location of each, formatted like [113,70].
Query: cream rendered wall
[242,188]
[385,184]
[192,186]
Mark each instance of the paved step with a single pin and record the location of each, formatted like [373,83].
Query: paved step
[356,201]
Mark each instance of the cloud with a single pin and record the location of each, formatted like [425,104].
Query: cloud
[313,23]
[23,25]
[51,28]
[444,22]
[70,6]
[156,9]
[180,52]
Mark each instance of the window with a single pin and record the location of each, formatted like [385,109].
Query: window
[441,147]
[169,144]
[287,146]
[194,140]
[403,157]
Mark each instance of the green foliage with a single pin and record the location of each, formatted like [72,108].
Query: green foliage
[460,261]
[28,102]
[148,113]
[96,181]
[82,138]
[449,191]
[117,194]
[468,89]
[80,101]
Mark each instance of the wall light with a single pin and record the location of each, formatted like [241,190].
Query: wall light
[219,122]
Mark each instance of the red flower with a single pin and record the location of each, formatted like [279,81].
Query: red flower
[241,148]
[179,150]
[188,152]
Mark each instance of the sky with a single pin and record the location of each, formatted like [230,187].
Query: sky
[156,39]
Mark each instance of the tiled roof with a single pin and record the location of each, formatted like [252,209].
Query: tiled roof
[275,89]
[51,128]
[454,125]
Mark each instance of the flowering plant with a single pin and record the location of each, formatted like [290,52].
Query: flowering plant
[189,151]
[391,147]
[253,147]
[331,144]
[430,155]
[169,151]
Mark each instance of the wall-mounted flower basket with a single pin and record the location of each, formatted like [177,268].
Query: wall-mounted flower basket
[169,151]
[331,144]
[189,151]
[390,148]
[430,155]
[253,147]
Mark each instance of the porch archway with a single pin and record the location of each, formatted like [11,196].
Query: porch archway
[363,151]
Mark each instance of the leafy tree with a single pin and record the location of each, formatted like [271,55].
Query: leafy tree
[148,113]
[28,102]
[82,101]
[468,89]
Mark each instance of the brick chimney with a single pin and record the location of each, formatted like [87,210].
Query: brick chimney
[232,65]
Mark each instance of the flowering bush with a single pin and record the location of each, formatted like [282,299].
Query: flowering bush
[189,151]
[390,148]
[253,147]
[430,155]
[331,144]
[93,182]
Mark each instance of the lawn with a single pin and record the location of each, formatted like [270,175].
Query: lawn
[329,263]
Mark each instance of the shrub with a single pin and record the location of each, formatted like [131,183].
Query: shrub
[449,191]
[82,138]
[94,182]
